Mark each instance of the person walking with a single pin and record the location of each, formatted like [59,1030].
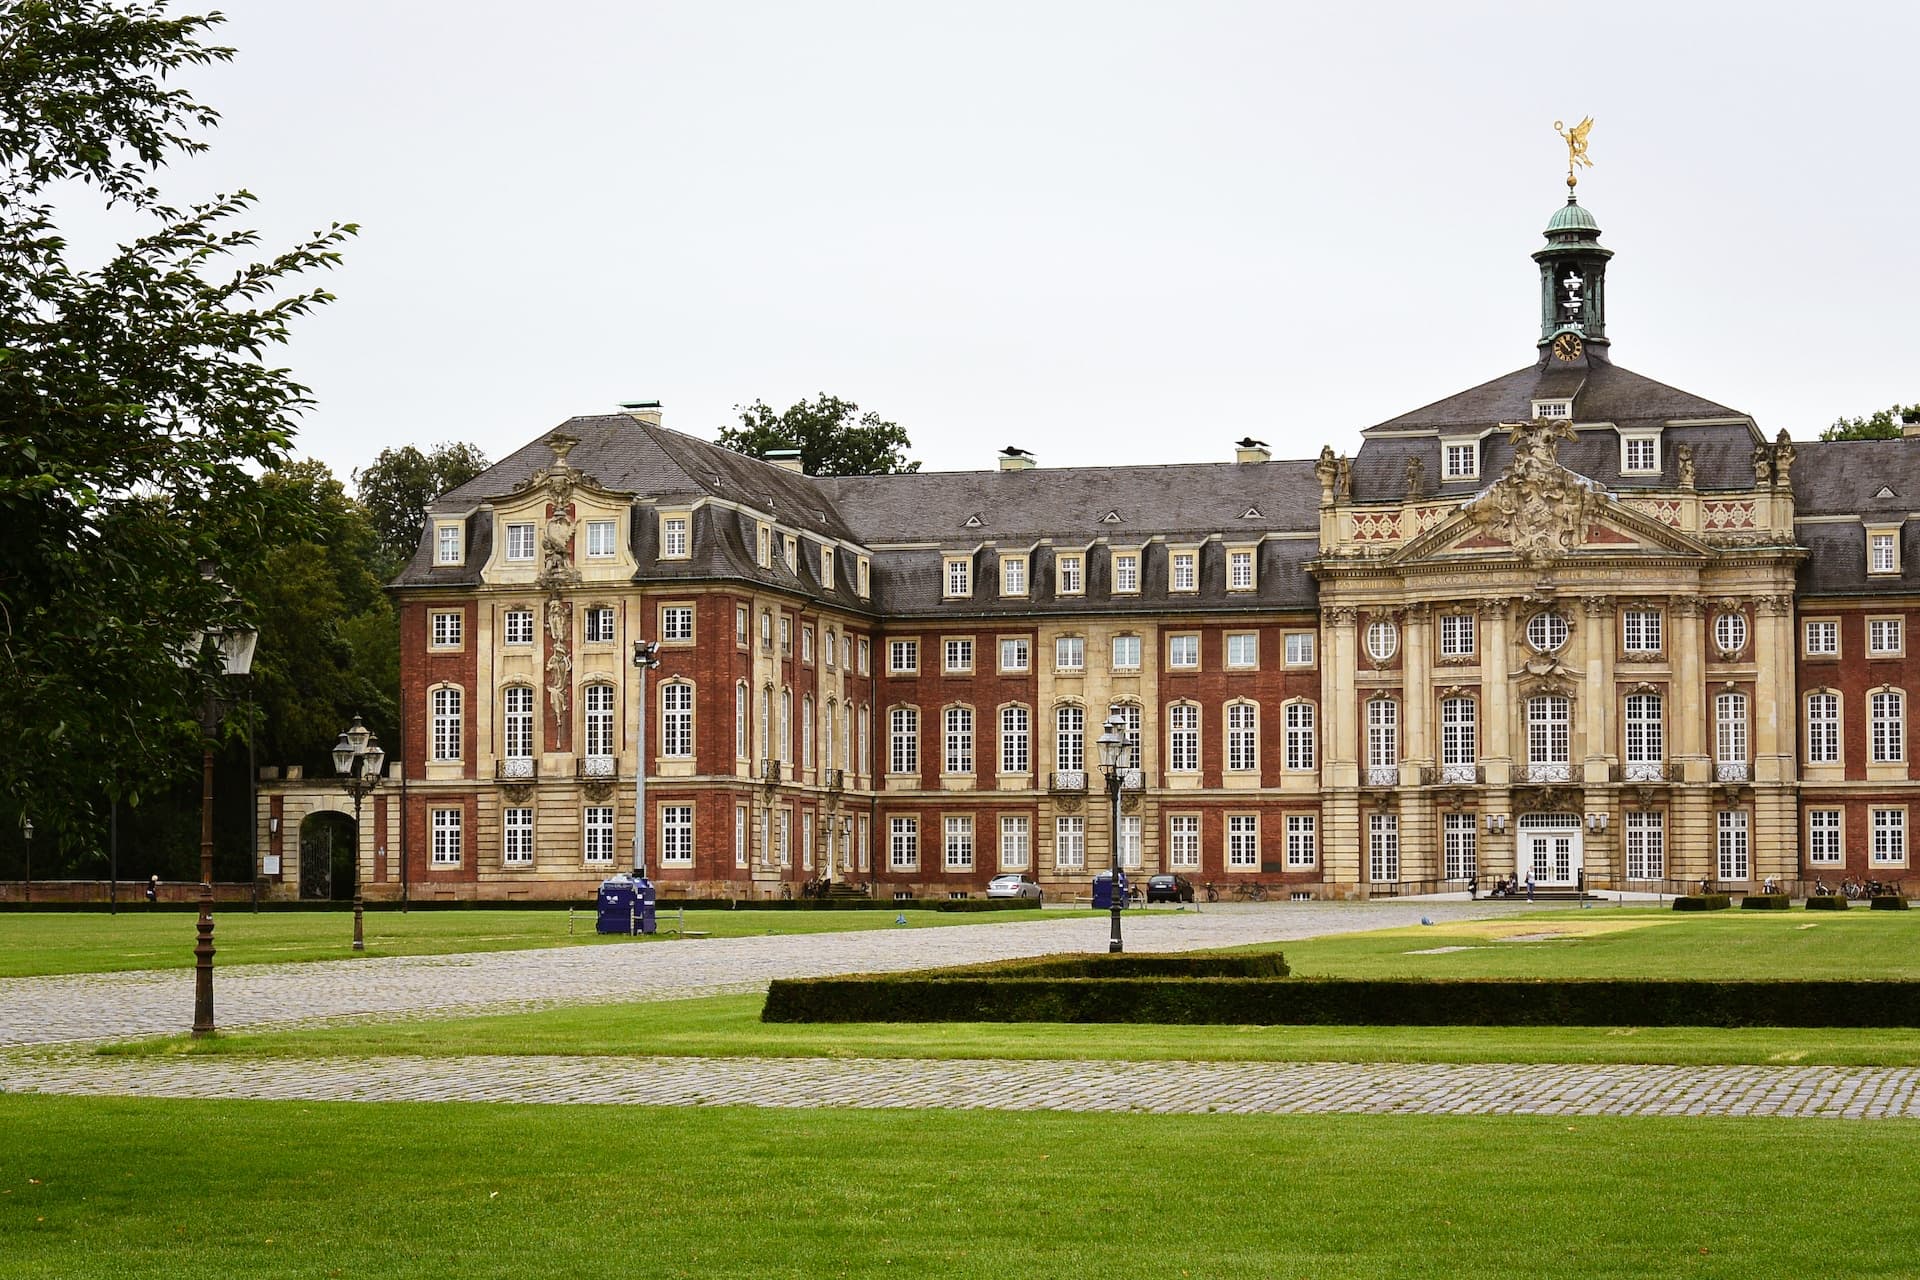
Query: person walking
[1580,885]
[153,889]
[1529,886]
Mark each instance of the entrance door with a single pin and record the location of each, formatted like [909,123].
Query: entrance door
[1551,849]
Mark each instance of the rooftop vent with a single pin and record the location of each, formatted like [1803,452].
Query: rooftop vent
[787,458]
[1251,450]
[1014,458]
[647,411]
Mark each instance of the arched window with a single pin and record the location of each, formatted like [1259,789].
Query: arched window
[1823,728]
[1015,748]
[597,699]
[959,741]
[516,702]
[1645,737]
[903,752]
[1129,714]
[1383,742]
[1887,726]
[741,747]
[1459,739]
[1069,738]
[1243,737]
[1301,739]
[1183,741]
[676,720]
[1730,737]
[445,703]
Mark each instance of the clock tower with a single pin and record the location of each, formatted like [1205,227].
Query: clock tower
[1573,280]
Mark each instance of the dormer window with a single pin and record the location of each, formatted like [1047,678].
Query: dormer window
[763,546]
[1126,572]
[447,543]
[1068,568]
[673,537]
[1640,455]
[1553,408]
[793,554]
[1461,461]
[1183,571]
[1013,575]
[860,577]
[957,573]
[1883,550]
[826,568]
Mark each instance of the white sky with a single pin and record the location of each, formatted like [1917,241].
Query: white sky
[1106,232]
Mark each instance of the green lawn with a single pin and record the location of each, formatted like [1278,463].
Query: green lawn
[34,943]
[730,1026]
[1611,942]
[136,1188]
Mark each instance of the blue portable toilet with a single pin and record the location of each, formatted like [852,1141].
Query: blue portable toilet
[644,906]
[1103,891]
[617,903]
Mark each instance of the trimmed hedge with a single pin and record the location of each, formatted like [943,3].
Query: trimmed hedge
[1826,902]
[1765,902]
[1888,902]
[1703,902]
[1595,1002]
[1105,964]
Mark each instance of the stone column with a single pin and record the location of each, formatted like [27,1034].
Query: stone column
[1417,693]
[1495,711]
[1689,710]
[1598,713]
[1339,704]
[1773,712]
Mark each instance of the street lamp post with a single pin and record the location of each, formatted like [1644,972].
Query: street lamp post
[1113,744]
[26,833]
[233,651]
[646,656]
[358,759]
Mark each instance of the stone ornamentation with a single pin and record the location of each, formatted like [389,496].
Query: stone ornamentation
[1539,507]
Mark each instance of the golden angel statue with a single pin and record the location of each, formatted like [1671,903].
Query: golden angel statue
[1576,140]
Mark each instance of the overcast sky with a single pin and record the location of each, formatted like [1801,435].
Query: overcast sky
[1105,232]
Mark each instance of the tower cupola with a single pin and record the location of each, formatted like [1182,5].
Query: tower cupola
[1573,266]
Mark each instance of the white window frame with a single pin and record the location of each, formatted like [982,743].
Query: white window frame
[1886,637]
[956,848]
[903,657]
[1641,442]
[1302,736]
[1069,653]
[449,542]
[1822,716]
[1183,841]
[446,705]
[1016,842]
[1457,635]
[1242,569]
[1016,654]
[676,542]
[1820,637]
[676,720]
[1183,571]
[1070,738]
[1646,844]
[903,740]
[1733,845]
[597,624]
[903,842]
[1070,573]
[956,655]
[1131,842]
[1013,575]
[516,627]
[1883,550]
[1126,573]
[1460,846]
[1383,848]
[1183,737]
[1826,838]
[1183,651]
[1299,649]
[1069,843]
[1459,733]
[1243,737]
[1886,726]
[1730,728]
[1383,733]
[448,837]
[1303,841]
[1730,631]
[676,835]
[956,577]
[596,711]
[676,624]
[516,836]
[520,542]
[597,823]
[1643,729]
[1243,842]
[1383,639]
[1548,631]
[1124,652]
[448,629]
[603,540]
[1460,460]
[1016,740]
[1248,642]
[957,758]
[1641,631]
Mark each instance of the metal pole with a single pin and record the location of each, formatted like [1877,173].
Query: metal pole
[28,832]
[1113,889]
[113,855]
[203,947]
[359,903]
[640,776]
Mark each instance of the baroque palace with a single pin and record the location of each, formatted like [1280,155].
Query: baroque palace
[1568,621]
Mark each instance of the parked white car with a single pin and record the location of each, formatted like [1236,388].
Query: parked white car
[1012,885]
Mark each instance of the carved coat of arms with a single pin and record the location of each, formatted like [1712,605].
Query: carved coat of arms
[1538,506]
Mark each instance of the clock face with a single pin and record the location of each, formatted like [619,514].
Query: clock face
[1567,346]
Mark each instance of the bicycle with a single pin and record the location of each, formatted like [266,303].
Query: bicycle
[1213,893]
[1251,892]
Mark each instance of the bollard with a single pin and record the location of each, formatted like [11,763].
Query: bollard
[631,927]
[569,922]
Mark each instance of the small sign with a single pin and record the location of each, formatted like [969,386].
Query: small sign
[270,865]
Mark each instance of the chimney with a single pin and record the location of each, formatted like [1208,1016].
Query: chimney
[789,459]
[647,411]
[1014,458]
[1251,450]
[1909,425]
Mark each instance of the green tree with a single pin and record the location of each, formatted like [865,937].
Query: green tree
[834,438]
[399,484]
[1884,425]
[138,407]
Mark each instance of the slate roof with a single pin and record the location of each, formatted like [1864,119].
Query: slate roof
[1607,393]
[1840,478]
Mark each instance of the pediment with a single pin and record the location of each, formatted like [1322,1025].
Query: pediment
[1563,519]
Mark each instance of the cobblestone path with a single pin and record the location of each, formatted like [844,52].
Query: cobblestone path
[157,1002]
[1159,1087]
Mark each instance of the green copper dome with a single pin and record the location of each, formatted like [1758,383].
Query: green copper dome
[1571,217]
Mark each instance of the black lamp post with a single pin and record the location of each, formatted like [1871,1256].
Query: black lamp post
[233,653]
[1113,746]
[358,759]
[646,656]
[26,833]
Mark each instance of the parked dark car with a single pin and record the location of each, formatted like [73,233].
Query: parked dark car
[1169,889]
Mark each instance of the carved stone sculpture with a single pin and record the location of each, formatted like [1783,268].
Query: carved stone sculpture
[1538,506]
[1324,471]
[1683,461]
[1783,460]
[1416,477]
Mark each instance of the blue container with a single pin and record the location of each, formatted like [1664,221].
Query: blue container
[618,903]
[1103,891]
[644,915]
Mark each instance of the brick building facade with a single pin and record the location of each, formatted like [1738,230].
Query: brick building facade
[1571,621]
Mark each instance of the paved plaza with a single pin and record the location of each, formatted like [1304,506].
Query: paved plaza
[48,1025]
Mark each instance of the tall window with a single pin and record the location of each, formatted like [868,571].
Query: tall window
[783,836]
[959,757]
[1130,842]
[1889,837]
[597,824]
[959,844]
[446,837]
[447,542]
[1641,630]
[516,836]
[673,538]
[1461,846]
[517,699]
[866,723]
[1383,847]
[1734,854]
[446,724]
[1013,576]
[1126,571]
[1730,729]
[597,700]
[766,722]
[1183,738]
[1823,728]
[1646,739]
[826,648]
[676,720]
[1243,842]
[1239,570]
[1183,842]
[739,836]
[1129,714]
[1016,842]
[1300,735]
[786,725]
[1242,737]
[1646,845]
[1069,843]
[1071,572]
[806,731]
[1883,553]
[1302,840]
[1069,739]
[1185,571]
[741,748]
[1823,837]
[1887,726]
[1459,737]
[1383,733]
[826,735]
[1549,740]
[1456,635]
[903,750]
[959,577]
[1015,753]
[676,835]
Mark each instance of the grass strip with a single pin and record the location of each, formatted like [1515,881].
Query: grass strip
[129,1188]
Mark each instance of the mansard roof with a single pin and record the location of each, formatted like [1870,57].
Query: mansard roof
[1603,392]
